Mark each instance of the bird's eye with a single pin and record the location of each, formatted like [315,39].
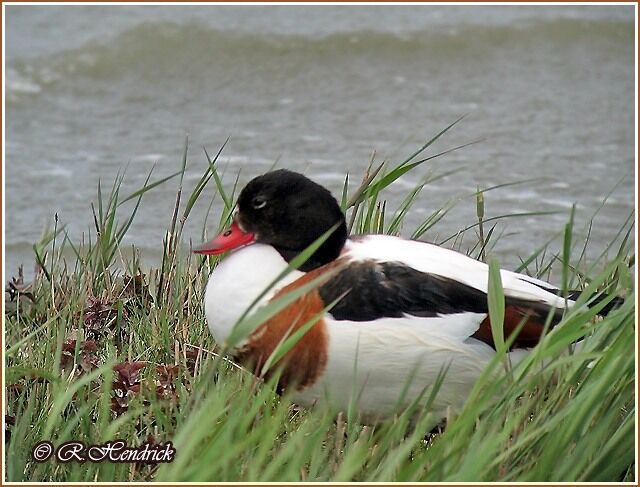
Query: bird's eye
[259,203]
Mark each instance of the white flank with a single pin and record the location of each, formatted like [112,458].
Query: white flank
[374,363]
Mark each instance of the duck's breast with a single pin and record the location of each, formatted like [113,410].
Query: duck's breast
[237,281]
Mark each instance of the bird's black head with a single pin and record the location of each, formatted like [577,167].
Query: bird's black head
[288,211]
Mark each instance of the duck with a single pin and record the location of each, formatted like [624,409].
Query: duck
[392,316]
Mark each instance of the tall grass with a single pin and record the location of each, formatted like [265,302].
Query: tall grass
[96,350]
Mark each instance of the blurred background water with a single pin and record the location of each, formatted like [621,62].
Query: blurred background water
[92,89]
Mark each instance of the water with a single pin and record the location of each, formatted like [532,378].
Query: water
[91,89]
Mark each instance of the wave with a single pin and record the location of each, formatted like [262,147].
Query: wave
[152,50]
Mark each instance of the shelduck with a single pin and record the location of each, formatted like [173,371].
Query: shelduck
[404,310]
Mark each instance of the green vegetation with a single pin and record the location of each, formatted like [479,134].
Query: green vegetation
[96,350]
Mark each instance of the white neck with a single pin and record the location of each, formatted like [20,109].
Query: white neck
[237,281]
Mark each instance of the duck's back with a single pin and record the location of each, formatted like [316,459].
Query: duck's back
[454,266]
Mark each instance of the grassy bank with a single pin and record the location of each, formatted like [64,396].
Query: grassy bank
[98,350]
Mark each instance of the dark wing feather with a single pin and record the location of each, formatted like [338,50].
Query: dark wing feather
[390,290]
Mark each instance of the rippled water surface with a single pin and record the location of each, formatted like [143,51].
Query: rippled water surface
[550,90]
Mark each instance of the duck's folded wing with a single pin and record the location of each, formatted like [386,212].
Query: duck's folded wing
[387,277]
